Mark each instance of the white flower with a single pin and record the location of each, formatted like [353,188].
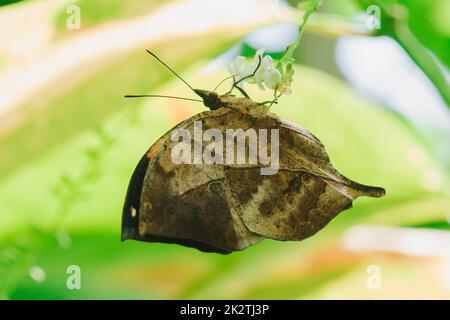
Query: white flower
[266,74]
[237,67]
[241,69]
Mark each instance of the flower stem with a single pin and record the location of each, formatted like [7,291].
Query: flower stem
[312,7]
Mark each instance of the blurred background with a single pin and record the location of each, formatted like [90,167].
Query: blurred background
[371,82]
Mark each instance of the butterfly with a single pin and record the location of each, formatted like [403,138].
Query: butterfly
[225,207]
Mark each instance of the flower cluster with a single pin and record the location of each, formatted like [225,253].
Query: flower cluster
[265,75]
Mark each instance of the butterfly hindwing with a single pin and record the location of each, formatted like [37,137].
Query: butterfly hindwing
[286,206]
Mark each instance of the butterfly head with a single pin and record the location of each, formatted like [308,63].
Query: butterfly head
[210,99]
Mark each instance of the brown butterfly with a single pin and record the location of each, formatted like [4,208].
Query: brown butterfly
[223,207]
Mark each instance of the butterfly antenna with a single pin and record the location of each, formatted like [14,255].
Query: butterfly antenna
[164,64]
[159,96]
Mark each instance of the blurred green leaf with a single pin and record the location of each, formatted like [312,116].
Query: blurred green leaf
[94,97]
[419,26]
[95,12]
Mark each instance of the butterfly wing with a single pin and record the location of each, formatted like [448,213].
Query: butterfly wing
[131,208]
[223,208]
[305,194]
[184,203]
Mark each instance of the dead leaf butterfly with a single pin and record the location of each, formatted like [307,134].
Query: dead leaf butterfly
[226,206]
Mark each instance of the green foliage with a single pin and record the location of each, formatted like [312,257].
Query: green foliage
[420,27]
[92,97]
[6,2]
[95,12]
[430,23]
